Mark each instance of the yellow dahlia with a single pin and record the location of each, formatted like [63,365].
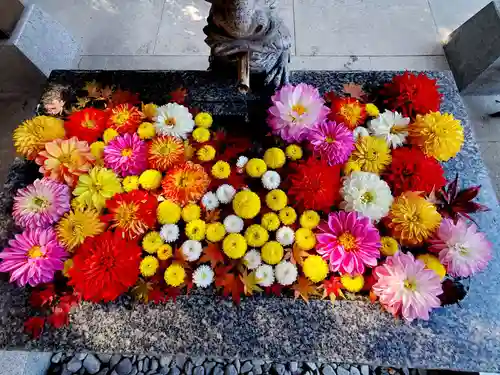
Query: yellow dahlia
[206,153]
[191,212]
[201,135]
[75,226]
[256,167]
[371,154]
[175,275]
[234,245]
[389,246]
[372,110]
[315,268]
[165,152]
[270,221]
[203,120]
[130,183]
[30,137]
[221,169]
[164,252]
[195,230]
[185,183]
[149,265]
[353,283]
[276,199]
[293,152]
[152,242]
[256,235]
[150,179]
[309,219]
[149,110]
[146,130]
[246,204]
[215,232]
[109,135]
[274,158]
[288,215]
[96,187]
[305,238]
[272,252]
[168,212]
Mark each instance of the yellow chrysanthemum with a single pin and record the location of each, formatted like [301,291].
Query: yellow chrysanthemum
[256,235]
[221,169]
[206,153]
[351,166]
[146,130]
[175,275]
[309,219]
[97,186]
[215,232]
[256,167]
[75,226]
[352,284]
[149,265]
[30,137]
[149,110]
[438,135]
[150,179]
[169,212]
[272,252]
[164,252]
[270,221]
[372,110]
[195,230]
[130,183]
[109,134]
[274,158]
[432,263]
[234,245]
[276,199]
[246,204]
[151,242]
[371,154]
[294,152]
[97,151]
[389,246]
[412,219]
[315,268]
[288,215]
[191,212]
[68,264]
[203,120]
[201,135]
[305,238]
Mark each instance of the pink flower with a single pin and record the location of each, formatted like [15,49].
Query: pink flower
[296,109]
[348,242]
[462,249]
[406,287]
[333,142]
[41,203]
[127,155]
[33,257]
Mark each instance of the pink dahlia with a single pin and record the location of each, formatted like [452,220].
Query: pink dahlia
[333,142]
[296,109]
[41,203]
[462,249]
[405,287]
[348,242]
[127,155]
[33,257]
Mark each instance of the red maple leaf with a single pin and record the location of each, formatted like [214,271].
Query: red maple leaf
[332,287]
[172,293]
[42,296]
[34,326]
[59,317]
[212,254]
[274,289]
[157,296]
[67,301]
[230,283]
[178,96]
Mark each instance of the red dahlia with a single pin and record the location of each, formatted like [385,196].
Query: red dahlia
[124,118]
[412,170]
[349,111]
[87,124]
[104,267]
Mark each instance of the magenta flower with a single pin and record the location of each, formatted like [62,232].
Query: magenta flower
[333,142]
[41,204]
[462,249]
[127,155]
[348,242]
[33,257]
[296,109]
[405,287]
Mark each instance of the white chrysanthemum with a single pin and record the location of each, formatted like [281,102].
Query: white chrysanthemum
[286,273]
[390,126]
[360,132]
[225,193]
[174,119]
[264,275]
[252,259]
[233,224]
[203,276]
[192,250]
[367,194]
[210,201]
[271,180]
[169,232]
[285,236]
[241,162]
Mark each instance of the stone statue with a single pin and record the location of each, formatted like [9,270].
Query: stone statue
[239,27]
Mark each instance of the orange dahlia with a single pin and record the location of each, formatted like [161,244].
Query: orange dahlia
[349,111]
[65,159]
[124,118]
[185,183]
[87,124]
[165,152]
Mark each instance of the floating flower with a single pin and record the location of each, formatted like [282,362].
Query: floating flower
[390,126]
[233,224]
[274,158]
[256,167]
[276,199]
[169,213]
[372,110]
[185,183]
[256,235]
[149,265]
[215,232]
[272,252]
[294,110]
[287,215]
[164,252]
[76,226]
[349,111]
[285,236]
[432,263]
[190,212]
[169,233]
[221,169]
[31,136]
[371,154]
[206,153]
[210,201]
[195,230]
[309,219]
[293,152]
[270,221]
[165,152]
[109,134]
[146,131]
[225,193]
[389,246]
[305,239]
[405,287]
[126,155]
[234,245]
[203,120]
[149,110]
[175,120]
[191,250]
[201,135]
[462,249]
[264,274]
[203,276]
[315,268]
[332,141]
[32,257]
[252,259]
[124,118]
[150,179]
[96,187]
[349,242]
[175,275]
[87,124]
[352,283]
[241,162]
[286,273]
[152,242]
[97,151]
[271,180]
[246,204]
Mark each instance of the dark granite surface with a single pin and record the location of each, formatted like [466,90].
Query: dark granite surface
[466,337]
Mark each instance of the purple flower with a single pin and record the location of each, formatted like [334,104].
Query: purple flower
[333,142]
[127,155]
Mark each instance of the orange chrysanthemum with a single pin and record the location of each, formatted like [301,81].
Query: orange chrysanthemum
[348,111]
[124,118]
[165,152]
[185,183]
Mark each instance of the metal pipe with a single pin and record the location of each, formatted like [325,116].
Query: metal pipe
[244,72]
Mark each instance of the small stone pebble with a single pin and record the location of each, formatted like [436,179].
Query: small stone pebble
[208,366]
[354,371]
[198,361]
[104,371]
[365,370]
[134,371]
[140,365]
[230,370]
[199,370]
[311,366]
[165,360]
[258,362]
[237,364]
[114,360]
[180,360]
[174,371]
[81,356]
[279,368]
[104,358]
[153,365]
[218,370]
[247,367]
[342,371]
[257,370]
[91,364]
[56,358]
[327,370]
[124,367]
[74,364]
[145,366]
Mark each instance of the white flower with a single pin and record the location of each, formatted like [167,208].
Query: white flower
[252,259]
[285,236]
[233,224]
[225,193]
[360,132]
[241,162]
[174,119]
[191,250]
[286,273]
[169,232]
[265,275]
[367,194]
[210,201]
[203,276]
[390,126]
[271,180]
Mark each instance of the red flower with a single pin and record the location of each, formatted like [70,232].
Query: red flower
[349,111]
[315,185]
[42,295]
[124,118]
[87,124]
[59,318]
[412,170]
[104,267]
[412,95]
[132,214]
[34,326]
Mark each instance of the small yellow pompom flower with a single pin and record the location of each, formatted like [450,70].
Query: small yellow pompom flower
[175,275]
[206,153]
[221,169]
[315,268]
[274,158]
[130,183]
[215,232]
[195,230]
[191,212]
[146,130]
[201,135]
[164,252]
[203,120]
[288,215]
[371,154]
[256,235]
[150,179]
[272,252]
[149,110]
[109,134]
[246,204]
[309,219]
[276,199]
[234,245]
[294,152]
[256,167]
[270,221]
[352,284]
[305,238]
[149,265]
[97,151]
[351,166]
[68,264]
[168,212]
[152,242]
[432,263]
[372,110]
[389,246]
